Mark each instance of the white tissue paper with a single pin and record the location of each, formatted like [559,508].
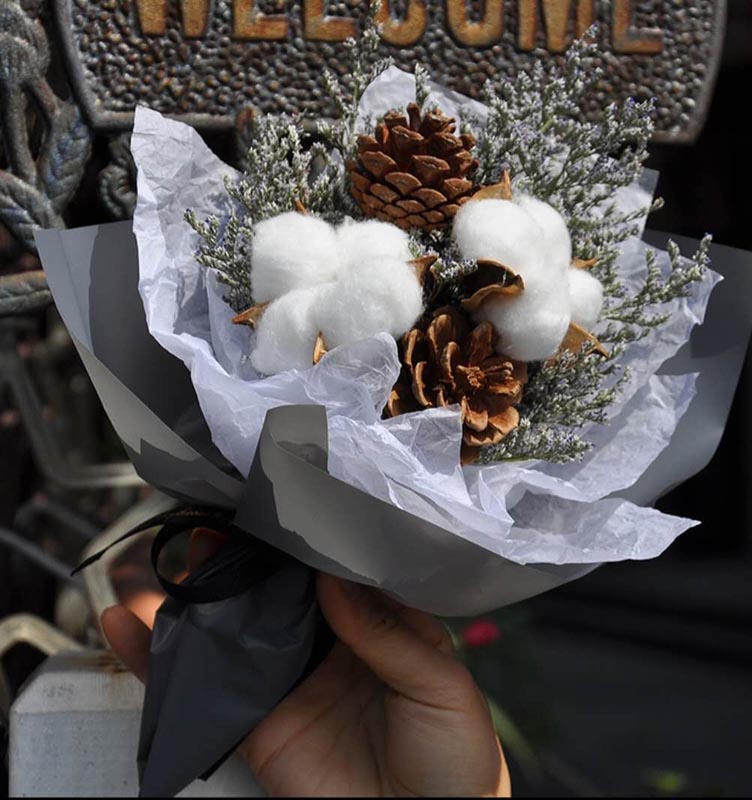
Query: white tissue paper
[531,512]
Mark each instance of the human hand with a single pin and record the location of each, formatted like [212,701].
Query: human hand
[389,712]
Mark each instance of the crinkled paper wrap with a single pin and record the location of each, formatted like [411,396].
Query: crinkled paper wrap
[498,533]
[528,513]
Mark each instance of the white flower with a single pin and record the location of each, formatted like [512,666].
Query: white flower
[348,284]
[292,251]
[531,238]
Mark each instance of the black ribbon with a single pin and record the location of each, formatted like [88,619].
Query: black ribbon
[244,565]
[242,562]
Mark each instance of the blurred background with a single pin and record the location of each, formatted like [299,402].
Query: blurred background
[634,681]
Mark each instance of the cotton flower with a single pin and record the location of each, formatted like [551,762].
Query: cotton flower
[379,294]
[586,297]
[367,287]
[292,251]
[531,325]
[555,233]
[361,241]
[501,230]
[287,331]
[529,237]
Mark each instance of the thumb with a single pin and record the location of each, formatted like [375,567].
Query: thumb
[372,628]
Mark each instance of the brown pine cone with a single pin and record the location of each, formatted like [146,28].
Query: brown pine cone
[451,361]
[414,171]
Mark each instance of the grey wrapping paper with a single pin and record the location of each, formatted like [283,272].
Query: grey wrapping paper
[405,557]
[252,648]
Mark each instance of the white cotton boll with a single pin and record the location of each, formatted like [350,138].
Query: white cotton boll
[292,251]
[555,233]
[531,325]
[586,297]
[363,241]
[287,331]
[503,231]
[384,295]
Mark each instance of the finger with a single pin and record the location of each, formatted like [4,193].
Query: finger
[129,638]
[425,625]
[204,544]
[377,635]
[325,688]
[144,605]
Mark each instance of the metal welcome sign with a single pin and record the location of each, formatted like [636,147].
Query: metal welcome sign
[205,60]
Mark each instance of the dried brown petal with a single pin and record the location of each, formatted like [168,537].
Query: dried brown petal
[422,265]
[447,326]
[251,316]
[490,435]
[504,419]
[577,337]
[319,348]
[584,263]
[474,418]
[496,191]
[491,278]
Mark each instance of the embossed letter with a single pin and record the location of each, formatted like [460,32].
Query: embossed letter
[249,23]
[476,34]
[152,16]
[318,26]
[629,40]
[407,31]
[556,15]
[195,17]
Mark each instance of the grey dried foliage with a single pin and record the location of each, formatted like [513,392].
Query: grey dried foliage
[534,130]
